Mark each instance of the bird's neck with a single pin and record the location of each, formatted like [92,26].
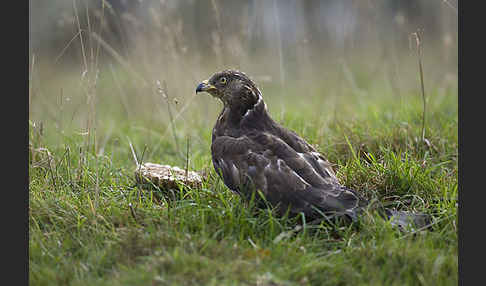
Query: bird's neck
[239,118]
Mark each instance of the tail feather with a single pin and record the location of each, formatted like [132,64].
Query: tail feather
[408,220]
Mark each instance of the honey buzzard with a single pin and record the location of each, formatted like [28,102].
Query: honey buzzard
[250,151]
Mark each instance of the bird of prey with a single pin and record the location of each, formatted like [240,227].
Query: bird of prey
[251,152]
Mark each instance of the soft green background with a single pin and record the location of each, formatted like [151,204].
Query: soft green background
[349,85]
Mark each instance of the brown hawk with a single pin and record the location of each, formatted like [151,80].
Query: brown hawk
[250,151]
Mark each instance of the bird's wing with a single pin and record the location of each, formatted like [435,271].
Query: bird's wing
[301,146]
[290,180]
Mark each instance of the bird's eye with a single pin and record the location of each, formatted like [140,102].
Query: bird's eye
[222,80]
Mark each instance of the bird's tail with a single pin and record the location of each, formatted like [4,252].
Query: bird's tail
[407,220]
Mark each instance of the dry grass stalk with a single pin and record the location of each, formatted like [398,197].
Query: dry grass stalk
[418,41]
[162,91]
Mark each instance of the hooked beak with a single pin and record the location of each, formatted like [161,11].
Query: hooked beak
[205,86]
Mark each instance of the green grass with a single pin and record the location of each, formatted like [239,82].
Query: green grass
[82,231]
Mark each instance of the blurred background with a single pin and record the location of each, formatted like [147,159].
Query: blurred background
[135,64]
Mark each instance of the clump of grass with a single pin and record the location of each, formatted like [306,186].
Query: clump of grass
[123,233]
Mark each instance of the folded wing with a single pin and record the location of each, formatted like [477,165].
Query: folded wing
[290,180]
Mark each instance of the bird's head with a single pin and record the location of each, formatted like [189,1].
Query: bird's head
[234,88]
